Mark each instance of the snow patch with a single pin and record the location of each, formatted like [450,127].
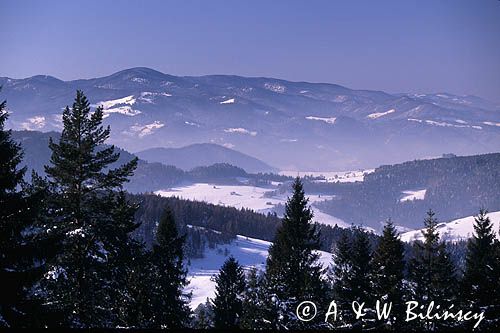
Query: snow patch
[250,252]
[240,130]
[275,87]
[459,229]
[229,101]
[148,129]
[326,120]
[490,123]
[380,114]
[34,123]
[443,124]
[411,195]
[120,105]
[191,124]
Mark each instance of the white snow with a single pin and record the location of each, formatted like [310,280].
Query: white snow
[191,124]
[240,130]
[33,123]
[242,196]
[130,100]
[455,230]
[411,195]
[228,101]
[460,121]
[490,123]
[326,120]
[289,140]
[275,87]
[443,124]
[121,105]
[249,252]
[380,114]
[331,176]
[147,129]
[148,97]
[139,80]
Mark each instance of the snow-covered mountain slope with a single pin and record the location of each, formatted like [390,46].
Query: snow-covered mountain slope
[249,252]
[252,197]
[289,125]
[455,230]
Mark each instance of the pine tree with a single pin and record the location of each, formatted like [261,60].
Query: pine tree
[169,301]
[481,279]
[293,273]
[387,275]
[18,208]
[88,220]
[229,289]
[431,271]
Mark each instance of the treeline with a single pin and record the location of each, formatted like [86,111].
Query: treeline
[361,274]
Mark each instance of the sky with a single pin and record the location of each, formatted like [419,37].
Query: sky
[391,45]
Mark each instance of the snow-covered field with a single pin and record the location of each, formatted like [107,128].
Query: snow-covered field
[411,195]
[455,230]
[332,177]
[249,252]
[242,196]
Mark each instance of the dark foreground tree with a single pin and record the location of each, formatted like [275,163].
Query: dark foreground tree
[431,271]
[481,280]
[17,252]
[293,273]
[388,267]
[169,301]
[350,276]
[229,289]
[88,221]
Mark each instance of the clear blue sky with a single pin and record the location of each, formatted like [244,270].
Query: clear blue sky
[396,46]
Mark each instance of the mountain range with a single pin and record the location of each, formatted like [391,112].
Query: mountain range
[289,125]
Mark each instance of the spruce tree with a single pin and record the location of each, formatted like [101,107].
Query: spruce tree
[293,274]
[88,220]
[229,289]
[253,302]
[350,276]
[481,280]
[431,271]
[169,302]
[388,267]
[18,208]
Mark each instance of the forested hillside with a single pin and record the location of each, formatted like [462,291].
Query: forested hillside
[454,187]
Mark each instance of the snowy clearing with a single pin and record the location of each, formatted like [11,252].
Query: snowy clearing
[326,120]
[411,195]
[380,114]
[331,177]
[147,129]
[249,252]
[240,130]
[240,196]
[443,124]
[228,101]
[455,230]
[490,123]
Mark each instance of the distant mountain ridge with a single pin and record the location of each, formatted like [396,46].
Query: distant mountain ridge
[290,125]
[203,154]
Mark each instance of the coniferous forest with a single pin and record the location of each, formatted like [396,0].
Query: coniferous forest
[78,251]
